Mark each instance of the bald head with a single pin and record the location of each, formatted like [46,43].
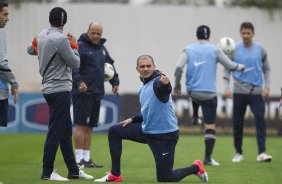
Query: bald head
[145,66]
[95,24]
[95,31]
[145,57]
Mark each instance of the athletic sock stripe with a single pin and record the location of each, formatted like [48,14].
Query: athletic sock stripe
[209,136]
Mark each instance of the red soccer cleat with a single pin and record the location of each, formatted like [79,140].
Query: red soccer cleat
[202,174]
[110,178]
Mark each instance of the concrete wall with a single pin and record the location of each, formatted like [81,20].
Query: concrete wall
[161,31]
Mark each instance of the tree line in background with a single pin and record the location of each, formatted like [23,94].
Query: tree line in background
[262,4]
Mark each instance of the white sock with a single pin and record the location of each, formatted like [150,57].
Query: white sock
[86,155]
[78,155]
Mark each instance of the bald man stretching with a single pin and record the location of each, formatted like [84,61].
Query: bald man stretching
[88,89]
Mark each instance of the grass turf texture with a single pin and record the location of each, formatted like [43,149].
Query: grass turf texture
[21,160]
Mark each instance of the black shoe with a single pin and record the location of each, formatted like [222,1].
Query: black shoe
[90,163]
[80,175]
[73,175]
[43,177]
[80,165]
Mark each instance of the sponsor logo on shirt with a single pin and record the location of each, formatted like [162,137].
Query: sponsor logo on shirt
[249,69]
[198,63]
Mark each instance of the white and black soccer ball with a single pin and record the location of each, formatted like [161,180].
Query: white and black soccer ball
[227,45]
[109,72]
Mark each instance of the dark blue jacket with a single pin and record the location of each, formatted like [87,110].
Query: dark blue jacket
[91,71]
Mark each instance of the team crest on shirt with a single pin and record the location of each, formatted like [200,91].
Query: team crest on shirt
[88,120]
[104,52]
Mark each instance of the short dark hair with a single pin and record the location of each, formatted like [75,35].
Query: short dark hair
[247,25]
[203,32]
[3,4]
[145,56]
[58,17]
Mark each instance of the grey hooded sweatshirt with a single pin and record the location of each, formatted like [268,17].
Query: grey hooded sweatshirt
[56,60]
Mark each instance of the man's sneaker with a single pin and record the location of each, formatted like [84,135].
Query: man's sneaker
[196,121]
[83,175]
[80,175]
[90,163]
[211,162]
[263,157]
[80,165]
[110,178]
[202,174]
[54,176]
[237,158]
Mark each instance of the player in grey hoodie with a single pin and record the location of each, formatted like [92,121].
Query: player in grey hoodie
[57,57]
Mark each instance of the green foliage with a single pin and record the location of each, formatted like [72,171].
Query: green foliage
[21,160]
[264,4]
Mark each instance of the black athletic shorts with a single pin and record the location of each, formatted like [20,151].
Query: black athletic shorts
[4,106]
[86,110]
[208,109]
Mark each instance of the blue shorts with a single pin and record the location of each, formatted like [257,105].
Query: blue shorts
[86,110]
[208,109]
[4,106]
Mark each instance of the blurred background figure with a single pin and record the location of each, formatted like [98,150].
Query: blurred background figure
[201,59]
[250,89]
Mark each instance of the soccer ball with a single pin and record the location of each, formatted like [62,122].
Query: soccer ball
[227,45]
[109,72]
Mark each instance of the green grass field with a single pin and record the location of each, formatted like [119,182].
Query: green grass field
[21,160]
